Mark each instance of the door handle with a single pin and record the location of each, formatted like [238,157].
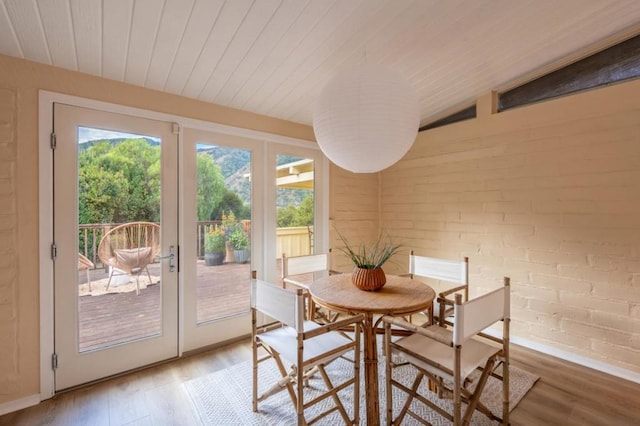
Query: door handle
[171,256]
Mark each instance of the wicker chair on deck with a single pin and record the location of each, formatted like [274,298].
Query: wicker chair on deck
[129,248]
[84,264]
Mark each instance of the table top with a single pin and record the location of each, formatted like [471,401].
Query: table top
[399,296]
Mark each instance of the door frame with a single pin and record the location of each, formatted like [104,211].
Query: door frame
[46,99]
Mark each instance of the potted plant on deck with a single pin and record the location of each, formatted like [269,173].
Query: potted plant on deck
[228,226]
[240,243]
[214,247]
[368,260]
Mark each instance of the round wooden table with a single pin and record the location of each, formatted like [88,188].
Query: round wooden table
[399,296]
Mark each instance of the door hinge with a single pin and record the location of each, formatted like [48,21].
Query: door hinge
[54,251]
[53,141]
[54,361]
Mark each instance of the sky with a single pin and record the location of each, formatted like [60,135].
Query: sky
[86,134]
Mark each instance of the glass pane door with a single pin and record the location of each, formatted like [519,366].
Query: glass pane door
[224,231]
[295,207]
[119,237]
[221,234]
[115,227]
[231,184]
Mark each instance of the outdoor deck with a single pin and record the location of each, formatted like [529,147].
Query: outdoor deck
[112,318]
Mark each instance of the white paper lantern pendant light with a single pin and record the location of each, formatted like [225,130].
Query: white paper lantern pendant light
[366,119]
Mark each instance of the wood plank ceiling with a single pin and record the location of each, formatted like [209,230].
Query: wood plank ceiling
[273,57]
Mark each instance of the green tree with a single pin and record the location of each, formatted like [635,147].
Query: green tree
[232,202]
[291,215]
[119,183]
[304,212]
[286,216]
[211,188]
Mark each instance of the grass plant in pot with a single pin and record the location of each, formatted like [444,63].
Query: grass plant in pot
[240,243]
[214,246]
[368,260]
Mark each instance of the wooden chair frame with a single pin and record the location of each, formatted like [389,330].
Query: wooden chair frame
[307,264]
[446,357]
[451,271]
[286,308]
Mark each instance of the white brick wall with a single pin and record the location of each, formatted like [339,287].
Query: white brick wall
[353,211]
[547,194]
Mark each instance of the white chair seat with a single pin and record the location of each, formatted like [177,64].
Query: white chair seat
[474,353]
[448,356]
[305,346]
[285,341]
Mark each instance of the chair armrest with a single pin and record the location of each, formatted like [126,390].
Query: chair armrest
[295,283]
[444,301]
[447,292]
[332,326]
[437,333]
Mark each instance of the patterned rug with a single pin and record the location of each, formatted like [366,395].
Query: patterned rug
[224,397]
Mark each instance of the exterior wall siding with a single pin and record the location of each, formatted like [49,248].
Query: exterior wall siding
[547,194]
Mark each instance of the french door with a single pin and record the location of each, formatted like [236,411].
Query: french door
[223,227]
[253,180]
[115,243]
[139,206]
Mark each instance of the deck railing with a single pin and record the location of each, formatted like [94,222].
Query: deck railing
[294,241]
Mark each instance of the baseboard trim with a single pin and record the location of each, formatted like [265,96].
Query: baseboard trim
[603,367]
[19,404]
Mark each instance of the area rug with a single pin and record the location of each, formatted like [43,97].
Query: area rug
[224,397]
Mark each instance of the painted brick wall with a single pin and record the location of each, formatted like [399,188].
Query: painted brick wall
[353,211]
[8,231]
[547,194]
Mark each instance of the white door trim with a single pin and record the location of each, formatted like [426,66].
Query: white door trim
[46,100]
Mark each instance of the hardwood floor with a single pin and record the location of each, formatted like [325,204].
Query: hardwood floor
[566,394]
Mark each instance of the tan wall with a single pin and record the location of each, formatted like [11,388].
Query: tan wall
[548,194]
[19,288]
[353,212]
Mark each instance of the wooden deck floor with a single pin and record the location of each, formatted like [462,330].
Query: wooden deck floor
[113,318]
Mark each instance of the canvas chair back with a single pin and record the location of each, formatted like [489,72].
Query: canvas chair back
[479,313]
[297,265]
[285,306]
[453,271]
[450,271]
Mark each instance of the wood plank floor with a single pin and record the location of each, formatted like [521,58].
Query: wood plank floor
[566,394]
